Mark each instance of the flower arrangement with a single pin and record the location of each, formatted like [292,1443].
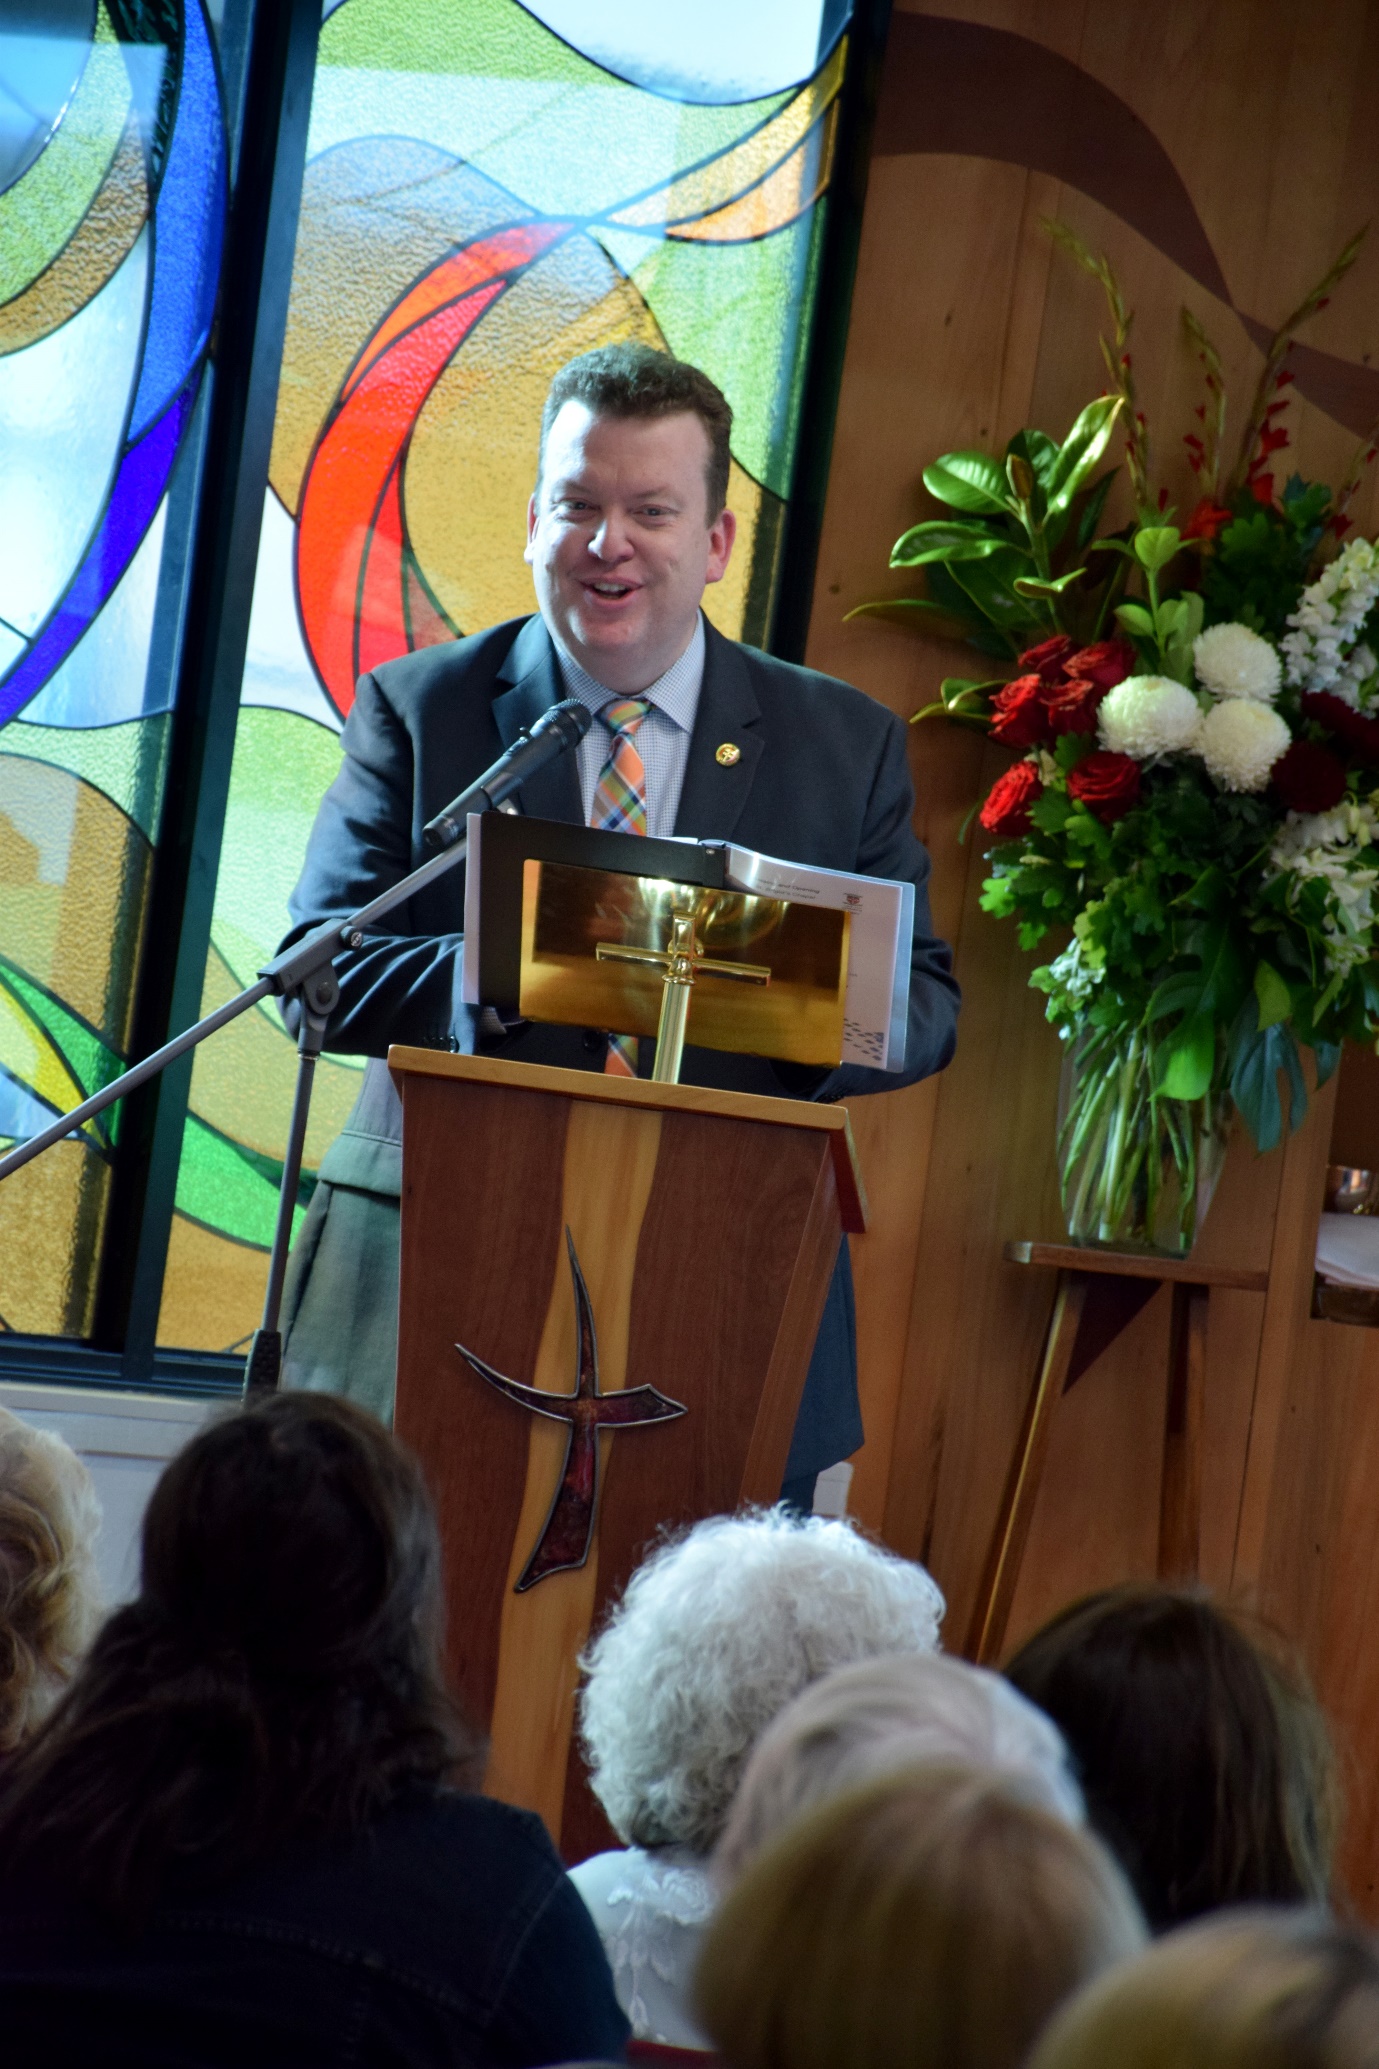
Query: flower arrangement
[1192,814]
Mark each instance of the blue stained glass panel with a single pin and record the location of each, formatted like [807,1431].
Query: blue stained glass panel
[188,226]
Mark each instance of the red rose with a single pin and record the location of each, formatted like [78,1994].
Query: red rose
[1105,664]
[1049,657]
[1360,734]
[1107,784]
[1006,811]
[1020,719]
[1308,778]
[1072,706]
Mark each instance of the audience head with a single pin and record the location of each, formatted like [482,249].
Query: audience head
[49,1598]
[1203,1760]
[1257,1990]
[881,1715]
[715,1634]
[277,1676]
[930,1920]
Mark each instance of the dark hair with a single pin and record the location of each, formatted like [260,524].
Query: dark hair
[632,380]
[1204,1761]
[277,1678]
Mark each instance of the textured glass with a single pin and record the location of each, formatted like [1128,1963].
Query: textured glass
[112,203]
[490,189]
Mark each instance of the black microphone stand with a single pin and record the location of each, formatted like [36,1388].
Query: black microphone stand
[304,972]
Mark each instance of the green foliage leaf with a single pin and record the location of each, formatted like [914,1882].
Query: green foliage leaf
[948,539]
[1156,544]
[1038,448]
[1275,999]
[990,584]
[1081,451]
[1257,1057]
[938,618]
[1089,516]
[1327,1056]
[1032,585]
[1190,1058]
[1180,621]
[970,481]
[1135,618]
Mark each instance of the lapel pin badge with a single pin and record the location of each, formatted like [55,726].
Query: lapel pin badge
[727,754]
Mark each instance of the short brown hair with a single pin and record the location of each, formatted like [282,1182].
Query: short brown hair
[632,380]
[932,1920]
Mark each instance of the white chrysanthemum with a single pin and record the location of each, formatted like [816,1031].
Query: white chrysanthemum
[1240,741]
[1148,714]
[1232,661]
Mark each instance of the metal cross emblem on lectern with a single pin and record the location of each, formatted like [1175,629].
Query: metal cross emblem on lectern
[569,1527]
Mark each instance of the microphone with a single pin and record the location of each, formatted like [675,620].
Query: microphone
[554,733]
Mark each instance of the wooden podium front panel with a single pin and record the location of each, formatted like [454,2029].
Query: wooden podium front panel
[706,1241]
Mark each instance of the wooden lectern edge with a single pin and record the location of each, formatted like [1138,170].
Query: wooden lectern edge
[833,1121]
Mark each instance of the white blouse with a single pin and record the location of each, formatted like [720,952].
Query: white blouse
[651,1910]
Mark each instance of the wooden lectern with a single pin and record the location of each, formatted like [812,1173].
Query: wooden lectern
[652,1258]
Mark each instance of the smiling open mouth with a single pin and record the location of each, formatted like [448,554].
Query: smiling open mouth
[612,590]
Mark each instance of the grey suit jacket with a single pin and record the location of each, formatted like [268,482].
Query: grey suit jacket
[821,777]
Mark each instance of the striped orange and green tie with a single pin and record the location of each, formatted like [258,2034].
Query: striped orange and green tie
[620,807]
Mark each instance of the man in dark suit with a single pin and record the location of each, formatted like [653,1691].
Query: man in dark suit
[692,734]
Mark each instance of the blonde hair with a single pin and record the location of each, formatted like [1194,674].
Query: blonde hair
[49,1601]
[1255,1990]
[931,1920]
[873,1718]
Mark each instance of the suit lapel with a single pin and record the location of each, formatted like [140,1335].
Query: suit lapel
[714,792]
[531,671]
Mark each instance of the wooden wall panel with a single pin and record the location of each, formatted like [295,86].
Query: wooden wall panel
[1220,153]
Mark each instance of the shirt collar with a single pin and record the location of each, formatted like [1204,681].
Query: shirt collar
[676,693]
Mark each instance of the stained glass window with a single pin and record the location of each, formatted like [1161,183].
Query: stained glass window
[490,188]
[113,179]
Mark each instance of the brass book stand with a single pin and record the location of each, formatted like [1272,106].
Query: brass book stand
[604,949]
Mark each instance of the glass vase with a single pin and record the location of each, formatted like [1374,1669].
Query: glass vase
[1137,1170]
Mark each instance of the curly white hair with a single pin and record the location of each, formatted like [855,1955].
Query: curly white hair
[878,1717]
[715,1634]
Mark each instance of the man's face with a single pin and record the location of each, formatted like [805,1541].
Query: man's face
[620,543]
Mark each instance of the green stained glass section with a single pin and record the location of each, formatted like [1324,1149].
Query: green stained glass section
[737,310]
[282,768]
[226,1187]
[124,762]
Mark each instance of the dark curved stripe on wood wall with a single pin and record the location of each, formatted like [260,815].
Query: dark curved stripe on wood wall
[965,90]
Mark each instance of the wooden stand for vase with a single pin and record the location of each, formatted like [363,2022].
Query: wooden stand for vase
[657,1255]
[1096,1293]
